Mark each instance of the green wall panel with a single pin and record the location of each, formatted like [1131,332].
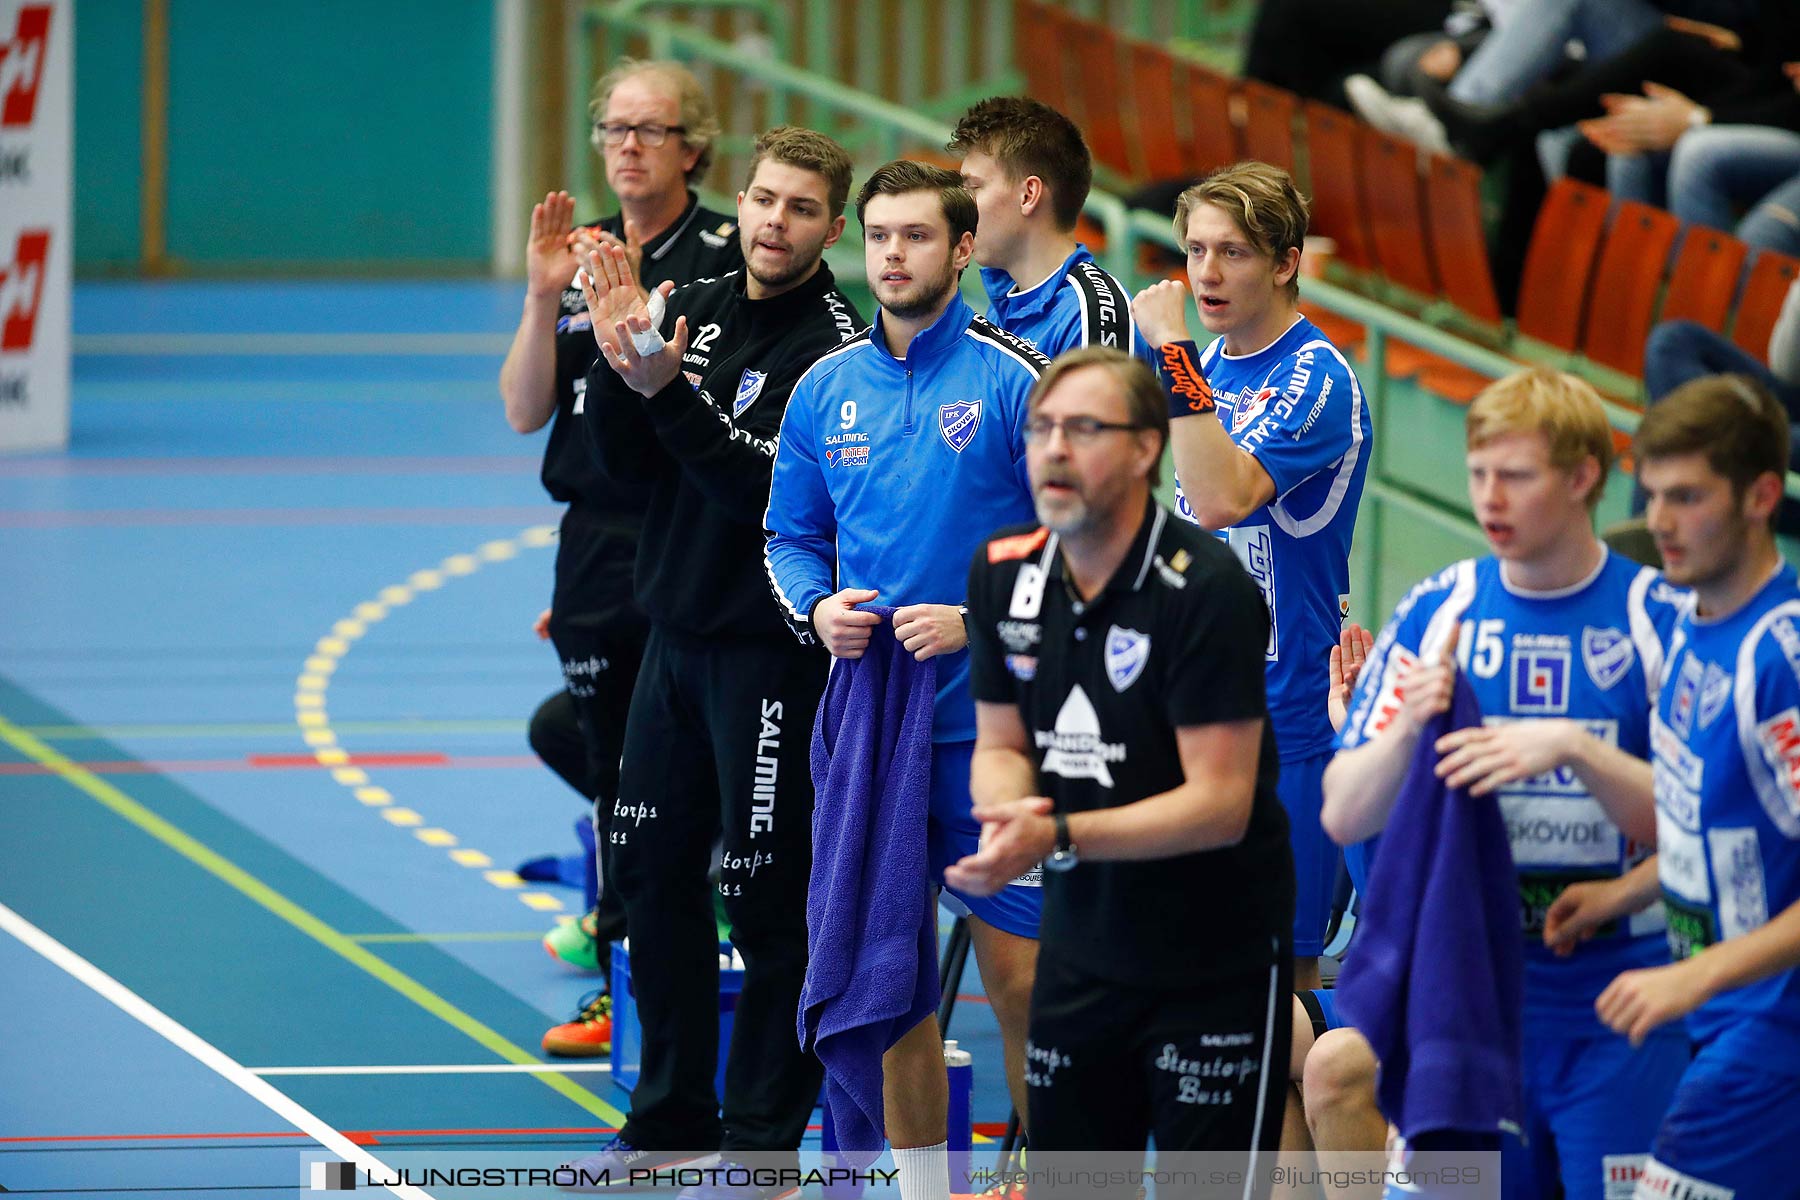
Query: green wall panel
[330,132]
[108,80]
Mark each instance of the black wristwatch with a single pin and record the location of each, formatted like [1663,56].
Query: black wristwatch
[1065,856]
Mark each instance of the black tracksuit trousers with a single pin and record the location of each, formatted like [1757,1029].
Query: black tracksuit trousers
[718,744]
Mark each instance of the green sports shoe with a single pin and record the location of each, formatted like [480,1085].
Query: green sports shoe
[576,942]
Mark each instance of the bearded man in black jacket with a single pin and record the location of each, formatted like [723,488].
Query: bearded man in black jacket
[690,402]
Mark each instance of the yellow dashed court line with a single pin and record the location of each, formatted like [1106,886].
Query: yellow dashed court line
[314,721]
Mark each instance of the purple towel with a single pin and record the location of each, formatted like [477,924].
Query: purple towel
[871,972]
[1435,977]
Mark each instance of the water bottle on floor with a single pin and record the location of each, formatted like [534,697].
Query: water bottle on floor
[960,1132]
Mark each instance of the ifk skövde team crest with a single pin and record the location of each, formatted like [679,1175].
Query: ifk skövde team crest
[749,388]
[1127,651]
[958,423]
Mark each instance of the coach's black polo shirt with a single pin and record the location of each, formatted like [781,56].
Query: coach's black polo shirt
[1175,638]
[701,244]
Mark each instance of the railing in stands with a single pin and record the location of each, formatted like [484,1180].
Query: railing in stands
[927,59]
[879,129]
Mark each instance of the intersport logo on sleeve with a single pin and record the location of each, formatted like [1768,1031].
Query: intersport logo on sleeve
[22,66]
[22,289]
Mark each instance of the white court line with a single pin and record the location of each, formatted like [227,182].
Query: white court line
[209,1055]
[285,344]
[471,1069]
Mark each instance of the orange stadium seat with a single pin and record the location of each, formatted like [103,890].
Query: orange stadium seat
[1767,287]
[1705,278]
[1153,92]
[1627,284]
[1337,197]
[1097,53]
[1269,127]
[1564,243]
[1459,237]
[1391,200]
[1211,137]
[1041,43]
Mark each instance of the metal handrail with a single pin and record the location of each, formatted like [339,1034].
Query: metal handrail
[1125,229]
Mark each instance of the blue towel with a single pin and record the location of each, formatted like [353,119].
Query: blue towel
[1435,977]
[871,972]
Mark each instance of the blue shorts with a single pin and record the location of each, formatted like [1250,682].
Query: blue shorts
[952,833]
[1321,1009]
[1731,1133]
[1301,789]
[1592,1108]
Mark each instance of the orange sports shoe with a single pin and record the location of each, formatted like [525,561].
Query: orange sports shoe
[589,1035]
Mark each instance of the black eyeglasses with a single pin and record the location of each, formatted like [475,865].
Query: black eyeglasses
[1079,430]
[614,133]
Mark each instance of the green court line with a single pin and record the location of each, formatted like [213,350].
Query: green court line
[392,939]
[64,733]
[257,891]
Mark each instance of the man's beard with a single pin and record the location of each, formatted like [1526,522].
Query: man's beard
[928,302]
[796,269]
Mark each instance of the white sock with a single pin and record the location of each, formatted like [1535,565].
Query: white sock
[924,1172]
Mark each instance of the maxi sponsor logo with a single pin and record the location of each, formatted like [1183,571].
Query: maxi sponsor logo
[22,290]
[1779,738]
[1390,697]
[22,66]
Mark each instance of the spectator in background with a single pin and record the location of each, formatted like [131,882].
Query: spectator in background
[1720,172]
[1681,351]
[1525,45]
[1309,46]
[1741,138]
[654,128]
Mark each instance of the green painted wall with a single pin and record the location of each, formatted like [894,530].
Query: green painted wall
[322,135]
[108,82]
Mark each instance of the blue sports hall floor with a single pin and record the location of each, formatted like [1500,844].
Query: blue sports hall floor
[266,661]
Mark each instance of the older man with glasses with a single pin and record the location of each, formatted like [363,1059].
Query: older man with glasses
[655,128]
[1123,740]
